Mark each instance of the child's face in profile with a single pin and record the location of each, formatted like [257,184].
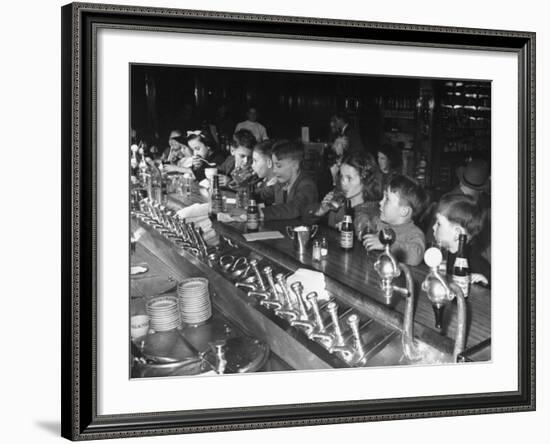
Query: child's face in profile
[445,231]
[261,164]
[391,210]
[284,169]
[350,181]
[242,156]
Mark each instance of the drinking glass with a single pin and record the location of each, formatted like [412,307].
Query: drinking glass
[338,199]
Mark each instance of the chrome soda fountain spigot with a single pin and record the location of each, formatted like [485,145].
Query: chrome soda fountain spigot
[388,268]
[298,289]
[270,299]
[259,289]
[289,312]
[254,265]
[333,311]
[339,345]
[386,265]
[221,362]
[320,333]
[440,293]
[268,272]
[303,321]
[359,356]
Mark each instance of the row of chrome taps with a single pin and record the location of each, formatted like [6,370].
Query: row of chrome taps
[304,312]
[165,221]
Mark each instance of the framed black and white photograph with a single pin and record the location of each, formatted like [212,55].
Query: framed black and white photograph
[278,221]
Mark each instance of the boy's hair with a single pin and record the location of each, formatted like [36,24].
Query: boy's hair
[244,138]
[264,148]
[288,149]
[410,193]
[463,210]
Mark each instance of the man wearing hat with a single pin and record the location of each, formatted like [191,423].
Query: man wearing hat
[473,179]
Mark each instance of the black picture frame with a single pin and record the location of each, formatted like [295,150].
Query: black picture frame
[79,208]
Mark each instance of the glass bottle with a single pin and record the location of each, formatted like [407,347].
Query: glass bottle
[324,247]
[461,267]
[252,216]
[316,251]
[217,196]
[346,229]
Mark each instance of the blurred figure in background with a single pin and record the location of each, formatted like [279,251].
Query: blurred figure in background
[251,124]
[474,179]
[388,162]
[340,126]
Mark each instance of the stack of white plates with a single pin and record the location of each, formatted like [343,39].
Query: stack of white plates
[164,313]
[194,298]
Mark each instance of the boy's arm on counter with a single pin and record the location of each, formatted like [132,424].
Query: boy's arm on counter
[304,194]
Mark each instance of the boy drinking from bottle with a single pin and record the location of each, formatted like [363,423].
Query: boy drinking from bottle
[293,190]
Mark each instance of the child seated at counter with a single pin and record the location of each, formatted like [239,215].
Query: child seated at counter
[204,156]
[462,214]
[359,182]
[262,165]
[239,162]
[294,190]
[403,200]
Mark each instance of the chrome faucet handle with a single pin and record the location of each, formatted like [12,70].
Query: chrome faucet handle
[386,265]
[307,326]
[435,285]
[246,286]
[264,295]
[312,299]
[353,322]
[254,265]
[289,315]
[333,311]
[298,289]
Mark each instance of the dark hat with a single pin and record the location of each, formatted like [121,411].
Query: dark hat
[474,175]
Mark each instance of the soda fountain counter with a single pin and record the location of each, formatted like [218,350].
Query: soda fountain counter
[249,293]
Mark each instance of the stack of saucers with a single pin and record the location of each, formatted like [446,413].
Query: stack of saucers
[164,313]
[194,298]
